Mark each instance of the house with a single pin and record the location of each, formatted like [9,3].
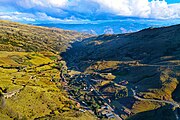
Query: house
[111,116]
[123,82]
[127,111]
[82,110]
[91,89]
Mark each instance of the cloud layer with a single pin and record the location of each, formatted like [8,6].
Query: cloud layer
[60,10]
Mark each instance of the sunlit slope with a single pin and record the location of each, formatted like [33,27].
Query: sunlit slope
[19,37]
[30,65]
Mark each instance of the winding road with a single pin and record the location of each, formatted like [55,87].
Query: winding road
[117,117]
[13,93]
[173,103]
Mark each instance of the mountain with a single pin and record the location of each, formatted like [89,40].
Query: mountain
[30,68]
[50,73]
[113,26]
[32,38]
[137,74]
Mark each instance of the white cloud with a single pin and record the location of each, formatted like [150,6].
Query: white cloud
[135,8]
[90,9]
[141,8]
[28,17]
[57,3]
[42,3]
[160,9]
[125,7]
[17,16]
[38,17]
[115,6]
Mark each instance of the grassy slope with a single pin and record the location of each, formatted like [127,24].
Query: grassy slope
[18,37]
[133,57]
[28,62]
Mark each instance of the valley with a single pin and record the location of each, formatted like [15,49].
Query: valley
[50,73]
[136,74]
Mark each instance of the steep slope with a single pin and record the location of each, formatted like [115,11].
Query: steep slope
[148,46]
[30,68]
[147,62]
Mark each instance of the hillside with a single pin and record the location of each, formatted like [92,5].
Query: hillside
[19,37]
[137,74]
[46,74]
[30,66]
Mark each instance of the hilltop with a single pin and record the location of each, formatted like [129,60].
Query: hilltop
[138,73]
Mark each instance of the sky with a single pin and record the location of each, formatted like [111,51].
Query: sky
[171,1]
[57,11]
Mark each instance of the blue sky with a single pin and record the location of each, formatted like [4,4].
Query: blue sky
[40,11]
[171,1]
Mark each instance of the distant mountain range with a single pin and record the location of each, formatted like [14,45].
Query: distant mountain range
[116,26]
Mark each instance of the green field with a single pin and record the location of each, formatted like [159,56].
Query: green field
[30,86]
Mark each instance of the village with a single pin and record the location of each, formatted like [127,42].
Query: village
[83,89]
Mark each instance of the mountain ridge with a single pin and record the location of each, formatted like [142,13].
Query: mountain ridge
[147,61]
